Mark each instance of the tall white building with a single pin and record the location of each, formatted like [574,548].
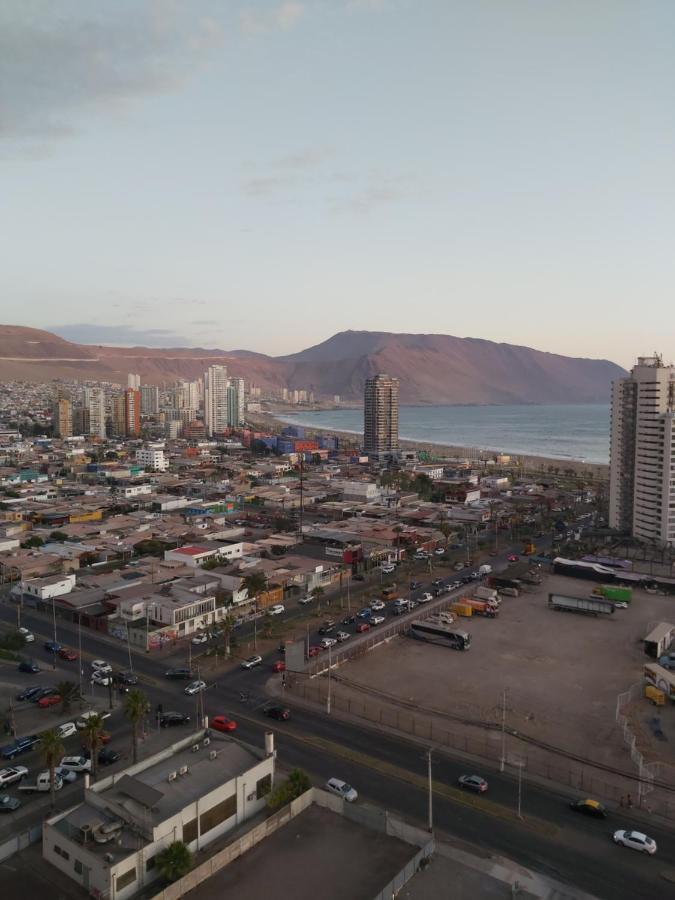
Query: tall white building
[215,400]
[149,400]
[94,400]
[134,381]
[235,402]
[642,453]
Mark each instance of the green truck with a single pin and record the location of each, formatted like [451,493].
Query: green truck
[614,593]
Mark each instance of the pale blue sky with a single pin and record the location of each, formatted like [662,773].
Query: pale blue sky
[263,174]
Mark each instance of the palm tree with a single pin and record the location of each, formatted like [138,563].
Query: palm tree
[317,593]
[51,751]
[92,734]
[136,707]
[68,691]
[255,583]
[174,861]
[227,624]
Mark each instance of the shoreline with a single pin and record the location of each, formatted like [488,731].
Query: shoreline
[543,464]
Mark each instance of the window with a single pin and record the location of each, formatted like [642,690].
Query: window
[151,860]
[263,787]
[126,878]
[190,831]
[77,865]
[61,852]
[218,814]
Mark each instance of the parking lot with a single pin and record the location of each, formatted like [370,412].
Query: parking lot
[559,673]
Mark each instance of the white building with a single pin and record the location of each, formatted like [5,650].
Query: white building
[215,400]
[197,554]
[94,400]
[134,382]
[194,791]
[152,458]
[46,588]
[642,453]
[235,402]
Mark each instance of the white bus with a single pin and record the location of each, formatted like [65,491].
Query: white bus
[660,678]
[440,633]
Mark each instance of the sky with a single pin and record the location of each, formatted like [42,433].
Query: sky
[261,174]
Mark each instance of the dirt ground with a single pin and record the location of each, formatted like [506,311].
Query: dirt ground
[562,672]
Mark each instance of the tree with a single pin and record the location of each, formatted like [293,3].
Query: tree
[255,584]
[136,706]
[317,593]
[69,692]
[91,733]
[51,751]
[227,624]
[58,536]
[174,861]
[296,784]
[33,541]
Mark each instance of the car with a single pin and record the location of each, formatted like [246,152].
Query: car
[475,576]
[377,620]
[124,679]
[9,804]
[66,730]
[83,718]
[276,610]
[589,808]
[200,639]
[12,775]
[512,557]
[27,635]
[76,764]
[619,604]
[52,646]
[473,783]
[66,775]
[279,666]
[342,789]
[179,673]
[313,651]
[362,626]
[328,642]
[222,723]
[107,756]
[305,600]
[377,605]
[29,693]
[49,700]
[277,712]
[27,665]
[169,719]
[349,620]
[364,613]
[342,636]
[388,569]
[439,551]
[68,655]
[635,840]
[251,662]
[100,665]
[195,687]
[99,677]
[43,692]
[437,582]
[327,627]
[415,584]
[358,577]
[425,598]
[19,745]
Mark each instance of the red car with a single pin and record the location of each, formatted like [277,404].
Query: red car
[49,701]
[67,654]
[314,651]
[512,558]
[222,723]
[279,666]
[362,626]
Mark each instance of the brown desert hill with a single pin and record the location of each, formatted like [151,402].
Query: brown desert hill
[433,368]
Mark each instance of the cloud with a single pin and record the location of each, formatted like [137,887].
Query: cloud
[287,172]
[60,61]
[281,17]
[374,196]
[119,335]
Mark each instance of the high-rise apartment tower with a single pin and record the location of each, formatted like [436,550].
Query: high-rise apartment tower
[380,411]
[215,400]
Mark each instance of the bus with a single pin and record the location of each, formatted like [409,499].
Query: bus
[660,678]
[438,632]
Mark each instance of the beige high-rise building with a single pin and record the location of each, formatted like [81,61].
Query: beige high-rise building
[215,400]
[62,418]
[380,412]
[642,453]
[94,400]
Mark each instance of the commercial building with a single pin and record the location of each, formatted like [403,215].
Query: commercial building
[642,453]
[380,409]
[215,400]
[194,791]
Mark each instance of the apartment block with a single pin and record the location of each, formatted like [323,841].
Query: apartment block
[380,408]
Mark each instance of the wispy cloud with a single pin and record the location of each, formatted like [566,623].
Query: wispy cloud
[118,335]
[287,172]
[374,195]
[282,16]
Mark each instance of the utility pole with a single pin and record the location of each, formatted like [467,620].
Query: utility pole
[520,787]
[430,820]
[302,492]
[79,649]
[502,761]
[328,698]
[54,621]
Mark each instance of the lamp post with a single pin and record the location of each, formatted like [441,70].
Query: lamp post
[502,761]
[328,698]
[430,811]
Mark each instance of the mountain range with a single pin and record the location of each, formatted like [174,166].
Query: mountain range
[432,368]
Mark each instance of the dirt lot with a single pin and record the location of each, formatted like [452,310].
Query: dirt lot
[562,671]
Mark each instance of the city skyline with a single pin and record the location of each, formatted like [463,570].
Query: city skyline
[190,175]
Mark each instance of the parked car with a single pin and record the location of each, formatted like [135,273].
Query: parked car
[222,723]
[76,764]
[195,687]
[12,775]
[349,620]
[49,700]
[29,693]
[27,635]
[84,717]
[277,712]
[328,642]
[388,569]
[279,666]
[124,679]
[27,665]
[200,639]
[52,646]
[589,808]
[425,598]
[635,840]
[377,620]
[179,674]
[620,604]
[305,600]
[100,665]
[358,577]
[68,655]
[276,610]
[415,584]
[361,627]
[43,692]
[19,745]
[99,677]
[66,730]
[65,775]
[342,636]
[439,551]
[314,650]
[667,661]
[251,662]
[169,719]
[327,627]
[342,789]
[364,613]
[377,605]
[9,804]
[473,783]
[106,756]
[437,583]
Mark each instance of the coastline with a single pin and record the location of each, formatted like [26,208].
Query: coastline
[542,464]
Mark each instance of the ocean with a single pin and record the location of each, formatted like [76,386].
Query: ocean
[561,431]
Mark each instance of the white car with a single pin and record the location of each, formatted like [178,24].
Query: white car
[200,639]
[376,620]
[27,635]
[195,687]
[388,569]
[75,764]
[328,642]
[66,730]
[620,605]
[342,789]
[377,605]
[66,775]
[100,677]
[84,718]
[636,840]
[439,551]
[12,774]
[305,600]
[342,636]
[100,665]
[276,610]
[251,662]
[425,598]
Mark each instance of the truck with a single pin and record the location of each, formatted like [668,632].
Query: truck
[484,593]
[462,608]
[590,606]
[486,608]
[42,784]
[615,593]
[389,592]
[484,570]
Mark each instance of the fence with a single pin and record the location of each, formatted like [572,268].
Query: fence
[20,842]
